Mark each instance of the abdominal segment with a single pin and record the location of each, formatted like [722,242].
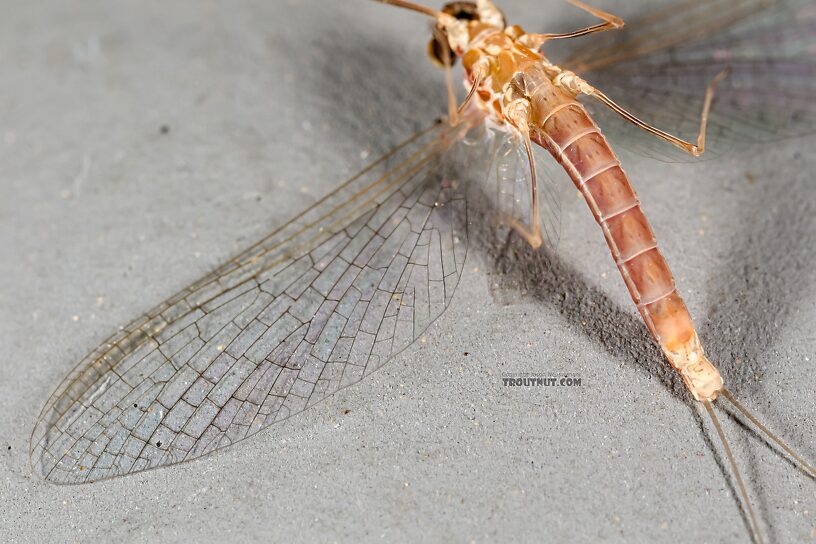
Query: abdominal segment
[577,143]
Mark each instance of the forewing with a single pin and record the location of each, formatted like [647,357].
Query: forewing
[658,68]
[314,307]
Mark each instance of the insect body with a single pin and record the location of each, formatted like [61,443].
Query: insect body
[522,92]
[330,296]
[519,88]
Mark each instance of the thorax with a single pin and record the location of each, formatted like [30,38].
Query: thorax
[514,70]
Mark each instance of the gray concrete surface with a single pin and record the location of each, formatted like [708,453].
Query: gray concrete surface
[269,104]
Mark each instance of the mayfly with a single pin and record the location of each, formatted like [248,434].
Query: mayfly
[332,295]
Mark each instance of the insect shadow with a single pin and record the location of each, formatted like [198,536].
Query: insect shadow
[755,292]
[514,270]
[368,87]
[753,297]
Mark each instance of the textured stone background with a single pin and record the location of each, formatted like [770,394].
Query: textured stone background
[270,104]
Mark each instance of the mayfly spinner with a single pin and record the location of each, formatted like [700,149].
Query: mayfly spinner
[332,295]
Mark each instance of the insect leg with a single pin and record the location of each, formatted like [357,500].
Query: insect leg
[453,111]
[518,113]
[411,6]
[572,82]
[477,73]
[610,22]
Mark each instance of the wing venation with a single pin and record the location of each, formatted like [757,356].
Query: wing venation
[658,68]
[320,303]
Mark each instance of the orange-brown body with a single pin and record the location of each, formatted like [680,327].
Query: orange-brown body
[513,73]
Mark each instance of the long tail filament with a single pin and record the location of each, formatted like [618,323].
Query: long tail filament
[752,518]
[806,467]
[781,443]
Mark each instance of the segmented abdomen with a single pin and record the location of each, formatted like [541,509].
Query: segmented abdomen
[576,142]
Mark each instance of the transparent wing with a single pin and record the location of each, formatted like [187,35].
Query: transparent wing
[506,190]
[658,67]
[323,301]
[505,194]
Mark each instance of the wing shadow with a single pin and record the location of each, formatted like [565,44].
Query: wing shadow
[373,88]
[754,293]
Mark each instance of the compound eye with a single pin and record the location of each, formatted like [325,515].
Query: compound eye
[437,50]
[464,11]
